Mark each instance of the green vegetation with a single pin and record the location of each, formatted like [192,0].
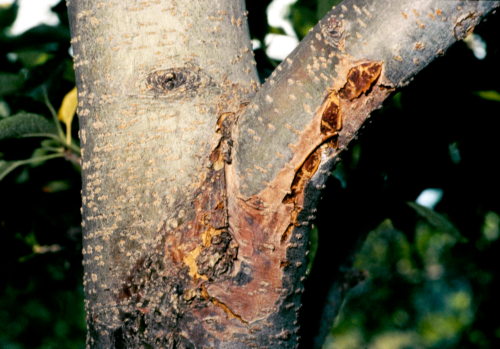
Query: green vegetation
[41,293]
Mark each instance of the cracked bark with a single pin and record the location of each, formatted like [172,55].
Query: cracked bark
[198,184]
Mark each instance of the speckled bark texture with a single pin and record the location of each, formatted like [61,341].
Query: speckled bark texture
[199,184]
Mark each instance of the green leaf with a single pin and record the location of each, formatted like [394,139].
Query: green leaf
[303,18]
[4,109]
[10,83]
[56,186]
[60,132]
[436,220]
[33,58]
[384,247]
[8,166]
[40,36]
[488,95]
[37,154]
[25,124]
[8,15]
[52,145]
[69,71]
[325,6]
[23,176]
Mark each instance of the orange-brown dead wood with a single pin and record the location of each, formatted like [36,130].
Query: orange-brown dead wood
[360,79]
[331,122]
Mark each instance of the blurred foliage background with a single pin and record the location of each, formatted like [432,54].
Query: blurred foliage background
[41,293]
[416,273]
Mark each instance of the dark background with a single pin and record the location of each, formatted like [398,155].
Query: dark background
[431,277]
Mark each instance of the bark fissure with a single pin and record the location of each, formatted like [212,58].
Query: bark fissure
[223,306]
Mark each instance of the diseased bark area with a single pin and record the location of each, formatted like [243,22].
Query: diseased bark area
[197,202]
[404,35]
[292,132]
[152,85]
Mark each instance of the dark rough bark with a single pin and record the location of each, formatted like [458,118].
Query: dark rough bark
[198,191]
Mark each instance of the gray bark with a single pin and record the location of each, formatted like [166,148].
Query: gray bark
[198,188]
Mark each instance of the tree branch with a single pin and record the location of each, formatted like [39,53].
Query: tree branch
[197,207]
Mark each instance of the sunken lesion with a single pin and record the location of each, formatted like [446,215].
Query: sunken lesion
[213,259]
[331,120]
[168,284]
[303,175]
[360,80]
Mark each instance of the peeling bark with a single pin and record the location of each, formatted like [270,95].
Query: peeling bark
[199,185]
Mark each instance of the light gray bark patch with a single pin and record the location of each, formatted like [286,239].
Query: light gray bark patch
[407,41]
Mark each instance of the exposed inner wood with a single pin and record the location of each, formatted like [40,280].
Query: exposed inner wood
[360,80]
[331,122]
[304,174]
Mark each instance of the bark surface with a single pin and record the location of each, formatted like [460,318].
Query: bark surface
[199,185]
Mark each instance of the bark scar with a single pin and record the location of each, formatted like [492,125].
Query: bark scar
[164,83]
[464,25]
[334,32]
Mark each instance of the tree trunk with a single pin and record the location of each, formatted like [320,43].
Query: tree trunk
[199,185]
